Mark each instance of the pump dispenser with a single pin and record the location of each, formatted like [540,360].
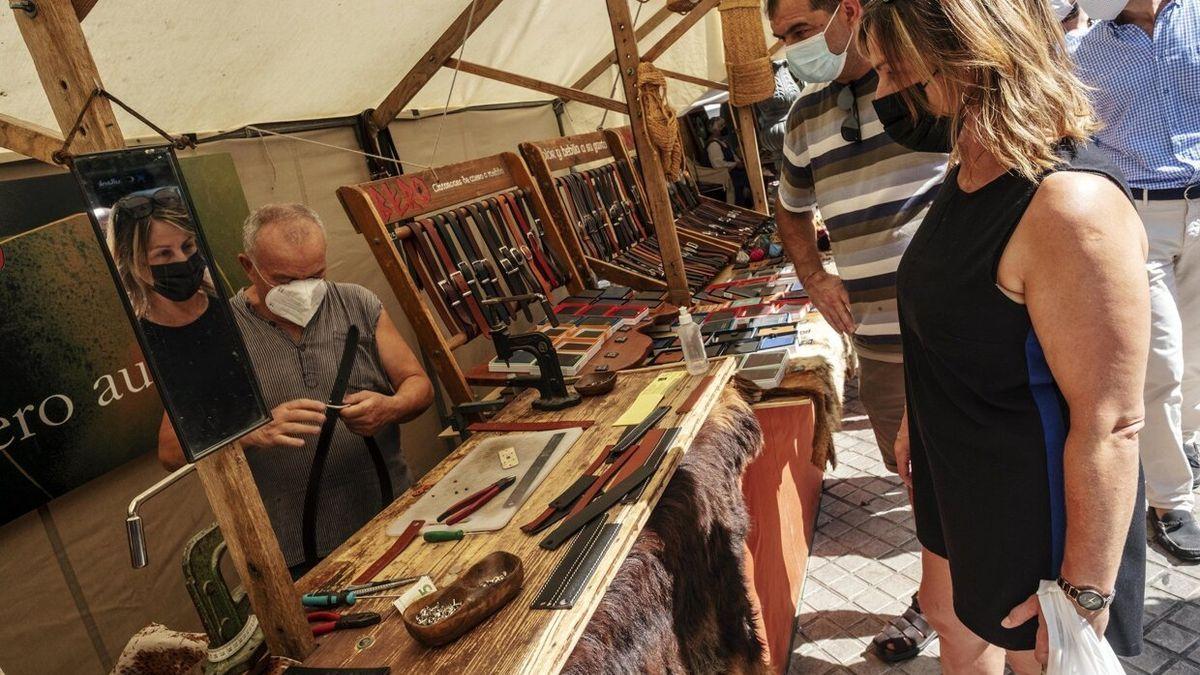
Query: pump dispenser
[693,344]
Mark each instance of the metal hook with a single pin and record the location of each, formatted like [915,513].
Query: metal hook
[27,6]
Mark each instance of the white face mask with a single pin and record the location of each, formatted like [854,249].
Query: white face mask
[297,301]
[1102,10]
[811,60]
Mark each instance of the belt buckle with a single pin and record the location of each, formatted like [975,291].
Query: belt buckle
[1188,192]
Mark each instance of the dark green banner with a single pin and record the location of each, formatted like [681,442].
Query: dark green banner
[76,399]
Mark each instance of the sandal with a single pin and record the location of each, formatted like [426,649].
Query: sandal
[905,636]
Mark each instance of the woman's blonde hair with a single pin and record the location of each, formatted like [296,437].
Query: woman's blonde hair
[127,239]
[1004,60]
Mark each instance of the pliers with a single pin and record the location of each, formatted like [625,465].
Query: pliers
[474,502]
[327,622]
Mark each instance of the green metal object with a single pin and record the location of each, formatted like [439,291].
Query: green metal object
[234,639]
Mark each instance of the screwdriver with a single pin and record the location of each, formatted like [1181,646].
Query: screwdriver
[352,595]
[438,536]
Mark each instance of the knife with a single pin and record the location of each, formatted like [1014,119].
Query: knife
[526,482]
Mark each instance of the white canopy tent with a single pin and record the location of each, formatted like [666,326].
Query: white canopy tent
[218,65]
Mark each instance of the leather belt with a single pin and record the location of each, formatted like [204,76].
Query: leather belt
[1170,194]
[535,227]
[470,299]
[421,258]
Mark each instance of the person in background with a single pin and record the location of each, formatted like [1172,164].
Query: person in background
[872,176]
[153,242]
[294,323]
[721,155]
[1024,310]
[1074,21]
[771,114]
[1142,62]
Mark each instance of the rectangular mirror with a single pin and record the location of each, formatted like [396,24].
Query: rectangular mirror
[176,298]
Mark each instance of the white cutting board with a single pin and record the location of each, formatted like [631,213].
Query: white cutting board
[480,469]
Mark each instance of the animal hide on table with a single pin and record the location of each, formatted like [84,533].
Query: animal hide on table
[679,603]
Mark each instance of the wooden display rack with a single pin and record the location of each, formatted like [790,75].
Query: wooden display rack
[381,211]
[554,156]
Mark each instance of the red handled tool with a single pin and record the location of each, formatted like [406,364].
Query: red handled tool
[327,622]
[474,502]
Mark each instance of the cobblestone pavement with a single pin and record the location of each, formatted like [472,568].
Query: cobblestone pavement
[865,566]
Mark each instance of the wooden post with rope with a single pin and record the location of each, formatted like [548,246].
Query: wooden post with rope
[751,79]
[657,197]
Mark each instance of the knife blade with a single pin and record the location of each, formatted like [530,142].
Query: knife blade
[523,486]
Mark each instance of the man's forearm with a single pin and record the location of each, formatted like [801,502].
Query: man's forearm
[1100,474]
[412,397]
[798,232]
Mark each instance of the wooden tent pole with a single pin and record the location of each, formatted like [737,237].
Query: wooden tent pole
[605,63]
[68,74]
[565,93]
[657,197]
[678,30]
[255,552]
[743,115]
[748,136]
[702,81]
[431,61]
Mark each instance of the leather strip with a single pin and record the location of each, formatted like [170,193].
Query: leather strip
[603,503]
[561,504]
[406,537]
[571,574]
[531,426]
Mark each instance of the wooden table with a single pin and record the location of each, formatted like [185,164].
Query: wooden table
[517,639]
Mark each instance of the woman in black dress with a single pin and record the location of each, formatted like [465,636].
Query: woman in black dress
[195,347]
[1024,311]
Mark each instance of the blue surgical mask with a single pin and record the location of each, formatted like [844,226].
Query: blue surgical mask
[811,60]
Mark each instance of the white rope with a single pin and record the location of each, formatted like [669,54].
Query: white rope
[399,162]
[453,81]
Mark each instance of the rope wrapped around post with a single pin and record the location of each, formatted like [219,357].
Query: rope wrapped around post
[661,124]
[751,78]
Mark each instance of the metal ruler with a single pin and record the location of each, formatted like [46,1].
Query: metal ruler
[523,486]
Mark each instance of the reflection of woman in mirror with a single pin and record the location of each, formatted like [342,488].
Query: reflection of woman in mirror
[154,245]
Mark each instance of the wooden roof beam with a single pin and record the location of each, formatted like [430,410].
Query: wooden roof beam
[565,93]
[678,30]
[68,73]
[441,49]
[29,139]
[603,64]
[703,82]
[83,7]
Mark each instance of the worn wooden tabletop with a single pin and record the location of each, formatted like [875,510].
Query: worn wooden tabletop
[517,639]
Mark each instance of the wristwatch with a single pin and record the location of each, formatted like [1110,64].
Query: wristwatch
[1087,598]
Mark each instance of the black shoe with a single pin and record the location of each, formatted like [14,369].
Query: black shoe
[1193,457]
[1178,532]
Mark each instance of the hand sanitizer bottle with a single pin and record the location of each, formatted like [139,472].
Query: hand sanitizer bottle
[693,344]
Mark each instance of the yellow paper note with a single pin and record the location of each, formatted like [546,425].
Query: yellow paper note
[648,399]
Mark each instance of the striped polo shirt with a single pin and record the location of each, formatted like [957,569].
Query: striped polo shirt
[289,370]
[872,196]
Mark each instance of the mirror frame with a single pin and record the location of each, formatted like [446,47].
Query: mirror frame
[153,153]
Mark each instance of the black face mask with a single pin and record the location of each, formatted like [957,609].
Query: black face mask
[180,280]
[928,133]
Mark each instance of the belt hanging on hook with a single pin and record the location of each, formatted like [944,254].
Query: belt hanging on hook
[63,155]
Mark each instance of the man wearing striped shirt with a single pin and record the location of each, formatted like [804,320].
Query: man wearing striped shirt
[1143,67]
[872,194]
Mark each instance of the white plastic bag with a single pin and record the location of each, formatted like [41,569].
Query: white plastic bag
[1075,648]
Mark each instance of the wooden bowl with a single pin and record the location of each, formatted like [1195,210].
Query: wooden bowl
[479,601]
[595,384]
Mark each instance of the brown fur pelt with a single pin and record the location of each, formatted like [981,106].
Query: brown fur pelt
[679,602]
